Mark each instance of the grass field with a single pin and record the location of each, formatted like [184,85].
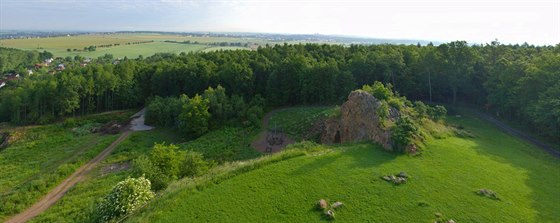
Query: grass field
[78,204]
[294,121]
[59,45]
[39,161]
[443,179]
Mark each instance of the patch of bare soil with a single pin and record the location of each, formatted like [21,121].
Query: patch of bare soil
[115,167]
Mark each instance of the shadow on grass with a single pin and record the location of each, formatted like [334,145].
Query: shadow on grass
[542,169]
[369,155]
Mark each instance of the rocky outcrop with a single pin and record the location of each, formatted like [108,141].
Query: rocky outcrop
[359,121]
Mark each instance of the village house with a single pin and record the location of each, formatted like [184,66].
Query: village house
[60,67]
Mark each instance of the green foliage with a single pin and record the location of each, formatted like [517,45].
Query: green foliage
[39,159]
[379,91]
[163,111]
[294,185]
[193,164]
[402,133]
[160,166]
[421,109]
[225,144]
[297,120]
[194,116]
[126,197]
[437,112]
[143,166]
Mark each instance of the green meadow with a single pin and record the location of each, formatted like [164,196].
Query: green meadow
[443,179]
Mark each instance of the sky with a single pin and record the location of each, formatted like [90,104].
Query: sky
[476,21]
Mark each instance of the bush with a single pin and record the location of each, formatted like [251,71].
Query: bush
[70,123]
[437,112]
[142,166]
[421,109]
[126,197]
[193,164]
[402,133]
[396,103]
[379,91]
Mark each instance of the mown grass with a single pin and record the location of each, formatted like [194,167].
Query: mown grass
[295,121]
[443,179]
[79,203]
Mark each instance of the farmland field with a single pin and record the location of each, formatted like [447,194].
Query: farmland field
[59,45]
[443,179]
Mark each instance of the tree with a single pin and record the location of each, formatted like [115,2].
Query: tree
[195,116]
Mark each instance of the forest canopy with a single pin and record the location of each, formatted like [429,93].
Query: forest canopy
[519,82]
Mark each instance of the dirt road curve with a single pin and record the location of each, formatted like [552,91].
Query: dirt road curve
[518,134]
[54,195]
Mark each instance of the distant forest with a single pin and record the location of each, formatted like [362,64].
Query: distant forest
[519,82]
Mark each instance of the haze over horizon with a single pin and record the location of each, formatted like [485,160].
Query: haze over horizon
[535,22]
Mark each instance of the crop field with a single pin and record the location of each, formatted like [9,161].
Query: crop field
[444,179]
[59,45]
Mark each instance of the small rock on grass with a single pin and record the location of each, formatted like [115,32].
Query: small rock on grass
[330,214]
[322,204]
[336,205]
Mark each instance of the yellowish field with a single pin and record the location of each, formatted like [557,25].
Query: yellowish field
[59,45]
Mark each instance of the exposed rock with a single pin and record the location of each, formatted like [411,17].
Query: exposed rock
[322,204]
[336,205]
[359,122]
[4,140]
[330,214]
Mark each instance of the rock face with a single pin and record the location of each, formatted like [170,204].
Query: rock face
[358,122]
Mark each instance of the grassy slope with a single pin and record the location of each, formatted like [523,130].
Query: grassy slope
[294,121]
[43,157]
[79,202]
[443,179]
[225,144]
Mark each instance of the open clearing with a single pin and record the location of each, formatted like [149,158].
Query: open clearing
[443,179]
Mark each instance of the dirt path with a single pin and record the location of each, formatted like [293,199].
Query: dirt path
[55,194]
[260,144]
[504,127]
[58,192]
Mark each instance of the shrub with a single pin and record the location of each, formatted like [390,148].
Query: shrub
[396,103]
[127,196]
[70,123]
[402,133]
[166,158]
[193,164]
[421,109]
[437,112]
[383,110]
[379,91]
[142,166]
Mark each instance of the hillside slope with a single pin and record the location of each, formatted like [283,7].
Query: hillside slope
[443,179]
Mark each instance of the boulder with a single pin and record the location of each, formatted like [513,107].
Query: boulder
[336,205]
[359,122]
[330,214]
[322,204]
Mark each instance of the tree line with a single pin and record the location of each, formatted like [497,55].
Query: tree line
[520,82]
